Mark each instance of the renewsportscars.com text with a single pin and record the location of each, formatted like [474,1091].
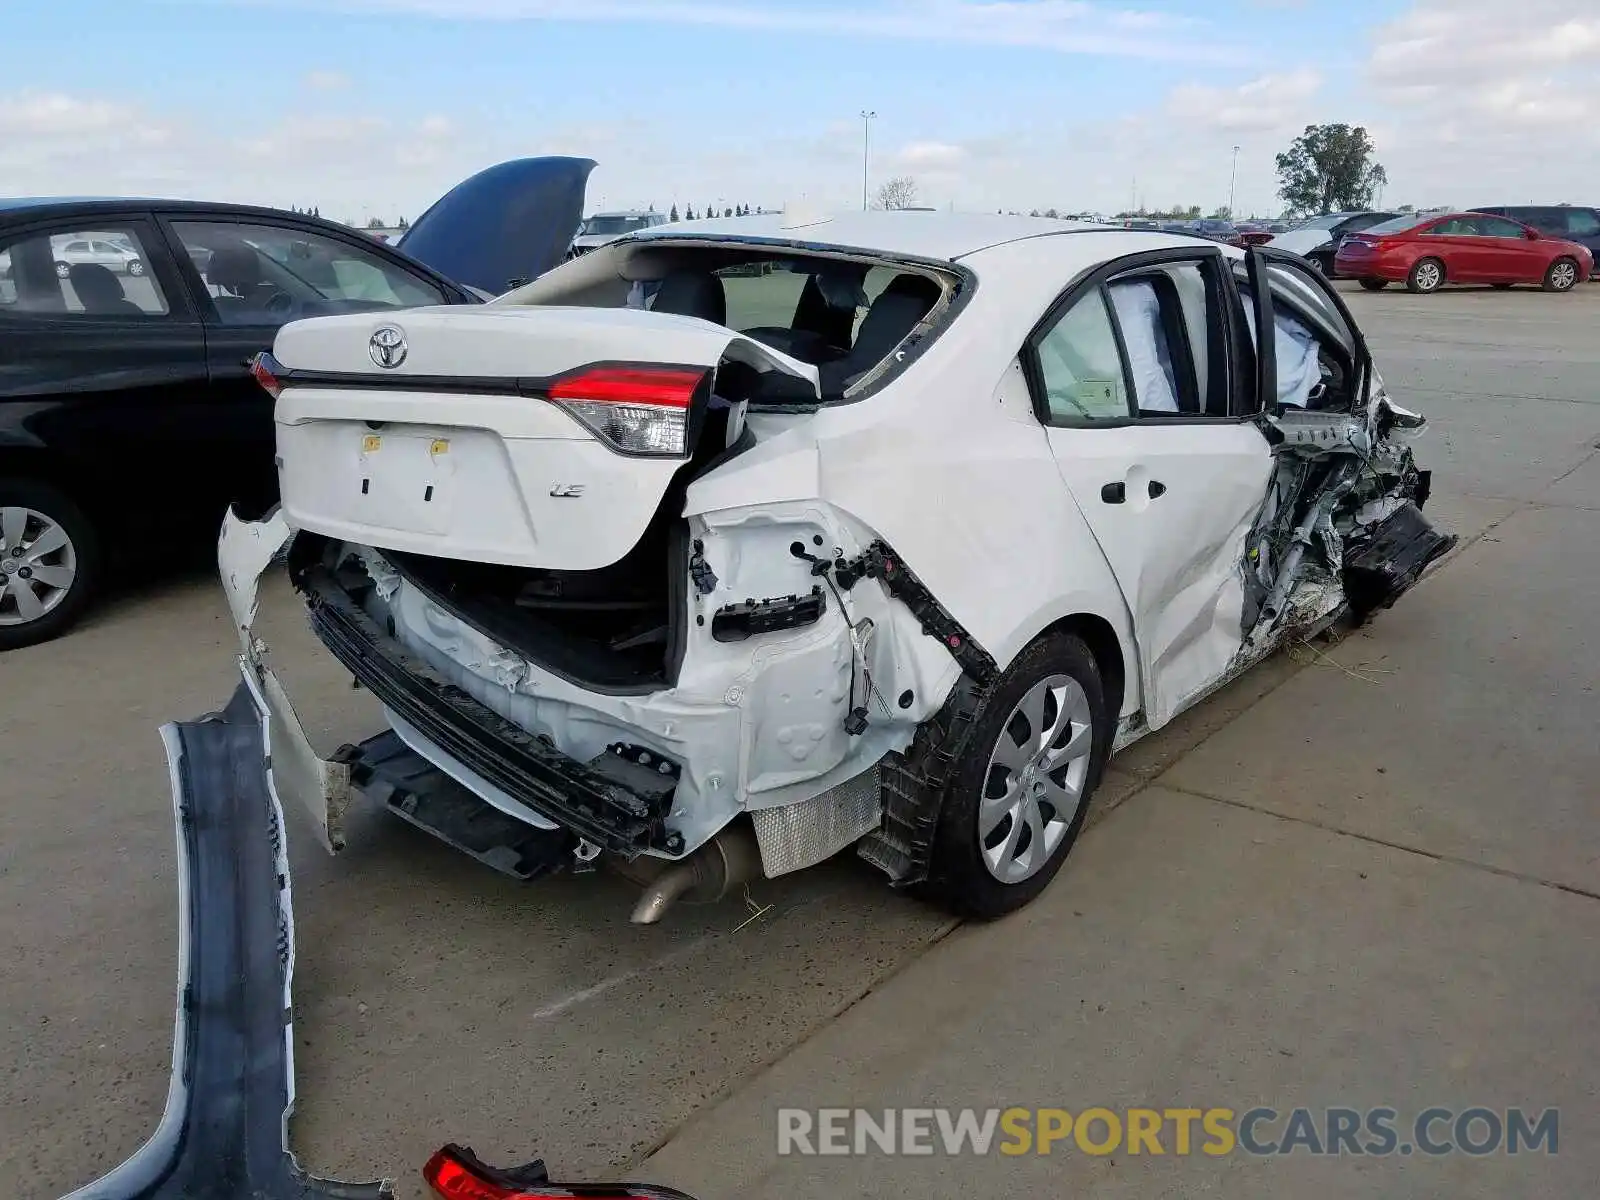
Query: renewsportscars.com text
[1213,1132]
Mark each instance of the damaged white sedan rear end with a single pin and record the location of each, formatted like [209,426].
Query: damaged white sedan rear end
[722,549]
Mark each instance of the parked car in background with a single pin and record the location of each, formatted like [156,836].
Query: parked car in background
[1217,230]
[128,416]
[1254,233]
[1573,222]
[1318,239]
[1426,251]
[605,227]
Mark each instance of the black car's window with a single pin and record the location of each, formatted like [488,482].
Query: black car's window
[263,274]
[93,273]
[1582,222]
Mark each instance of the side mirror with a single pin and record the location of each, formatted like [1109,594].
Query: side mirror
[1531,234]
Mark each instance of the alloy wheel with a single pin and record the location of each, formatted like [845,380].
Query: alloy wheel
[1428,276]
[38,565]
[1563,276]
[1035,778]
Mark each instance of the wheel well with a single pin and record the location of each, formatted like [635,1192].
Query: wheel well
[1101,639]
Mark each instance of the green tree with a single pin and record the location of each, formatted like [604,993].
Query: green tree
[1222,213]
[673,215]
[1329,168]
[375,223]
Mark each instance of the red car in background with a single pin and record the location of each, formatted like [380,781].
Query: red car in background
[1427,250]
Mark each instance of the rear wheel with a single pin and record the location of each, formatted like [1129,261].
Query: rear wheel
[1020,789]
[1323,263]
[63,270]
[1427,275]
[135,267]
[1374,285]
[49,562]
[1562,275]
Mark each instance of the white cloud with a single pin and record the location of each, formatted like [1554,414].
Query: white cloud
[1267,103]
[1069,26]
[326,81]
[1490,102]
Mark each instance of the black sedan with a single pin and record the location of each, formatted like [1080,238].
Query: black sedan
[128,416]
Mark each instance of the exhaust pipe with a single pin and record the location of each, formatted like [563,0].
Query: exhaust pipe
[730,858]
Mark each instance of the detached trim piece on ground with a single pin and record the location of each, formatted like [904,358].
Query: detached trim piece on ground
[224,1133]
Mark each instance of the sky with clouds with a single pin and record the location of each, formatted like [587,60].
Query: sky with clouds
[375,107]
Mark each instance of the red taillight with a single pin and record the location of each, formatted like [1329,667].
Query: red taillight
[638,410]
[456,1174]
[670,386]
[266,369]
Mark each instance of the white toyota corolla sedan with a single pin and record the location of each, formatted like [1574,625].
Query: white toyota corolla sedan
[731,545]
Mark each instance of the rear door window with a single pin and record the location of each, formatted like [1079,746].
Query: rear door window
[101,273]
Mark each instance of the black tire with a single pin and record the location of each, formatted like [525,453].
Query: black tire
[135,267]
[1323,263]
[62,270]
[1424,280]
[959,880]
[1374,285]
[58,507]
[1562,275]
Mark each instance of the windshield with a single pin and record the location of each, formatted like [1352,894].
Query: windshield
[1327,221]
[1400,224]
[608,226]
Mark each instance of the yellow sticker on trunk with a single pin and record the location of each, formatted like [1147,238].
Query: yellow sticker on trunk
[370,443]
[440,446]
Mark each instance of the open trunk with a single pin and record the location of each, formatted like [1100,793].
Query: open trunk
[523,467]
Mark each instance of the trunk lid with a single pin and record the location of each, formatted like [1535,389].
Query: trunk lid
[522,436]
[505,225]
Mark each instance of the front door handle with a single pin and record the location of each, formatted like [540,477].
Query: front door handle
[1157,489]
[1114,493]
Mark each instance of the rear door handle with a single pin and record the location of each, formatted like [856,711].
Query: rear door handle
[1157,489]
[1114,493]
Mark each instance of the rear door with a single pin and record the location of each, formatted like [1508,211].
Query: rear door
[1135,373]
[1451,241]
[111,368]
[250,278]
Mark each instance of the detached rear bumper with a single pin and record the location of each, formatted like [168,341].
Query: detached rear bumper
[224,1132]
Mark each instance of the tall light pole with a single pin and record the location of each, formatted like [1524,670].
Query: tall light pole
[1233,180]
[866,153]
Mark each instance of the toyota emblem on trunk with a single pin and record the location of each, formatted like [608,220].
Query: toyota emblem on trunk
[388,347]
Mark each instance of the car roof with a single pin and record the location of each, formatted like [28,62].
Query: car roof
[916,234]
[47,207]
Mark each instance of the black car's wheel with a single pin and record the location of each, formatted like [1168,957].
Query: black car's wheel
[63,270]
[1374,285]
[1323,263]
[1427,275]
[49,562]
[135,267]
[1021,783]
[1562,275]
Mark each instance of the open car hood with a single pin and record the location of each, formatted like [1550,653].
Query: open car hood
[505,225]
